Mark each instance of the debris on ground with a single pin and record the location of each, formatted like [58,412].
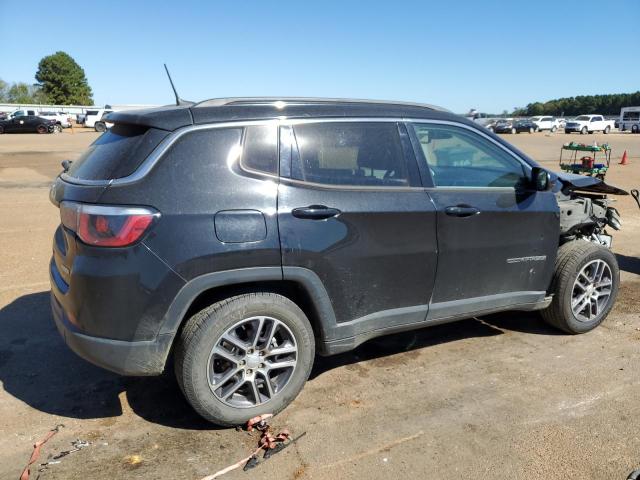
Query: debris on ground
[77,446]
[36,451]
[269,443]
[132,461]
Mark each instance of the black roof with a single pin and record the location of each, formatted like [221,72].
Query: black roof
[171,117]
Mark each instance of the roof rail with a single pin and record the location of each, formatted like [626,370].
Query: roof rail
[219,102]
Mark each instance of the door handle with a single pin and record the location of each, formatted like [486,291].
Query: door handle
[461,211]
[315,212]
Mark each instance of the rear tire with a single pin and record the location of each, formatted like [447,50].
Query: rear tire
[634,129]
[42,129]
[553,129]
[530,129]
[572,288]
[606,130]
[57,129]
[1,129]
[100,127]
[202,336]
[513,131]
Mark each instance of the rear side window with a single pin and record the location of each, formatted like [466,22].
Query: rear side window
[358,154]
[260,148]
[116,153]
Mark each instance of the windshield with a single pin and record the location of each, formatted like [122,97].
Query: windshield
[583,117]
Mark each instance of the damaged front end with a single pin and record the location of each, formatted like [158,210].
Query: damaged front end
[585,209]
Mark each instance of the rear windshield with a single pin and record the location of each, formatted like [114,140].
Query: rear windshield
[116,153]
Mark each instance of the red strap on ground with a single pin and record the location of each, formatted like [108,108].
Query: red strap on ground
[36,451]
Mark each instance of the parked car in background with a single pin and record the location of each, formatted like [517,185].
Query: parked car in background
[102,125]
[23,113]
[525,125]
[545,123]
[483,119]
[504,126]
[629,119]
[368,203]
[94,116]
[588,124]
[63,120]
[80,118]
[27,124]
[514,126]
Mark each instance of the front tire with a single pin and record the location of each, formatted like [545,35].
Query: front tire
[553,129]
[244,356]
[584,131]
[634,129]
[584,287]
[100,127]
[513,131]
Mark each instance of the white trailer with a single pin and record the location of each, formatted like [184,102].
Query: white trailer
[629,119]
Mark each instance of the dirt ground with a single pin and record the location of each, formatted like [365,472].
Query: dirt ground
[502,396]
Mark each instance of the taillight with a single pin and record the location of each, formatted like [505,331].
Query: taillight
[107,226]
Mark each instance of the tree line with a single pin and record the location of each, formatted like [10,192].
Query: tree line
[60,81]
[585,104]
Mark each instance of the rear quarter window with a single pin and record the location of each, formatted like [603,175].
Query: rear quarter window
[260,149]
[116,153]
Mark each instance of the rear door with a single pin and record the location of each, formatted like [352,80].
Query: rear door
[496,238]
[352,213]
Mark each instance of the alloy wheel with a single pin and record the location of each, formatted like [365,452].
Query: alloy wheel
[591,290]
[252,362]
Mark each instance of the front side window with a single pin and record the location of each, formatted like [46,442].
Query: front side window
[350,153]
[458,157]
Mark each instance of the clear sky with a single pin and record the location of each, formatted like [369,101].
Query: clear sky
[489,55]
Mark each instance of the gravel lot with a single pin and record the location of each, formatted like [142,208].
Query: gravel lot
[499,397]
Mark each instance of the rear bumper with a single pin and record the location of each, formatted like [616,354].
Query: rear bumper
[136,358]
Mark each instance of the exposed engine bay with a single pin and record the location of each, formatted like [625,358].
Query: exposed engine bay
[585,209]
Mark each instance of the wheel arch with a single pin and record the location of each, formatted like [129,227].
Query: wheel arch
[300,285]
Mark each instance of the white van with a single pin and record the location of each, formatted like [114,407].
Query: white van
[546,123]
[630,119]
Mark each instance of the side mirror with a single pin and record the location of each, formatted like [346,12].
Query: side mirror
[540,179]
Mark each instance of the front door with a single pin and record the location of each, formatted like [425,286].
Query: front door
[352,211]
[497,238]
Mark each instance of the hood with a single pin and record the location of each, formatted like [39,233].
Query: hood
[584,183]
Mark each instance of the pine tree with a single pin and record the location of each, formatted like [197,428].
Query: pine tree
[63,81]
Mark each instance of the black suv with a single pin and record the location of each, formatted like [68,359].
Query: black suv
[241,236]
